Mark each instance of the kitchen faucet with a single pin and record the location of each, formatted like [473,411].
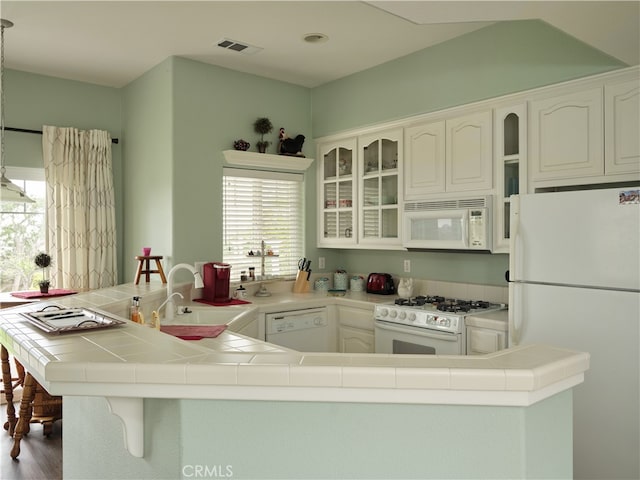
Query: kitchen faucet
[167,301]
[198,283]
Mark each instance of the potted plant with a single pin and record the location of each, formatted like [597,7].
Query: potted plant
[263,126]
[43,261]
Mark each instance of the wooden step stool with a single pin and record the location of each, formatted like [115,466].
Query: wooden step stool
[145,267]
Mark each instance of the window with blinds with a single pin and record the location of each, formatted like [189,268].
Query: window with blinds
[262,206]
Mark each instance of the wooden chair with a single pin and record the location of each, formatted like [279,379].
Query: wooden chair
[36,406]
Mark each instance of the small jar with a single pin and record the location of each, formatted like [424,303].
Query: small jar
[243,276]
[252,273]
[321,284]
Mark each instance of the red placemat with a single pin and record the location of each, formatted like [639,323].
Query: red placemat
[193,332]
[53,292]
[234,301]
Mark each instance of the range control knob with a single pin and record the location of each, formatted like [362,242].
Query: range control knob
[384,312]
[412,316]
[393,314]
[402,315]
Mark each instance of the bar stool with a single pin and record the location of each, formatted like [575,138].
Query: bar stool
[144,266]
[36,406]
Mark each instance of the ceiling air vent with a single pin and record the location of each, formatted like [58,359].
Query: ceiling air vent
[241,47]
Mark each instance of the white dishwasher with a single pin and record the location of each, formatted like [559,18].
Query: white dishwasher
[307,330]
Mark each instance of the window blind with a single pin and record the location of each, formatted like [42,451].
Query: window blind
[262,206]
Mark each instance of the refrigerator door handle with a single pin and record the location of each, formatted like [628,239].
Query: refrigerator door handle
[514,227]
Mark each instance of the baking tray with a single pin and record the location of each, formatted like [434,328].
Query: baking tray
[54,319]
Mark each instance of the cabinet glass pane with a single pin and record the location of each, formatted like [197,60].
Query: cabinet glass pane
[370,193]
[345,162]
[330,224]
[507,215]
[511,178]
[371,225]
[389,154]
[346,225]
[330,195]
[371,158]
[329,161]
[390,190]
[345,194]
[511,137]
[390,223]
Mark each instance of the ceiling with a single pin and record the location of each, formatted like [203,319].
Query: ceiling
[113,42]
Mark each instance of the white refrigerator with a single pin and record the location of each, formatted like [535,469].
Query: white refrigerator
[574,272]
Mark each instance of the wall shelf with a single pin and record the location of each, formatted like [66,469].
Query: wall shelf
[266,161]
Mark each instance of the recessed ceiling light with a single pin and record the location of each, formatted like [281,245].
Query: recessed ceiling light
[315,38]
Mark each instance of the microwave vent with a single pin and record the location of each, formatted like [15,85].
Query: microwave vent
[449,204]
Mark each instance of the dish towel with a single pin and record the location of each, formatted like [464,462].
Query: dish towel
[234,301]
[53,292]
[193,332]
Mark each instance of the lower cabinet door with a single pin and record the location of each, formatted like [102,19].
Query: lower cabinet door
[355,340]
[481,341]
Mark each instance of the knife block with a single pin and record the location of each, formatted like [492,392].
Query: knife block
[301,285]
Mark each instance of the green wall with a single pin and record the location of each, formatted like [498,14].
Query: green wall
[214,106]
[32,101]
[298,440]
[176,119]
[148,167]
[503,58]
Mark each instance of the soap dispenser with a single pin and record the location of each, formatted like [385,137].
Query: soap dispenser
[135,313]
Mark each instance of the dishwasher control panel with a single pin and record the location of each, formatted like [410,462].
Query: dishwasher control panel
[298,320]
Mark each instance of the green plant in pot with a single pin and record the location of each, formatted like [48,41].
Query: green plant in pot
[43,261]
[263,126]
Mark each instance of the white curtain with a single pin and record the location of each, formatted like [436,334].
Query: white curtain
[81,227]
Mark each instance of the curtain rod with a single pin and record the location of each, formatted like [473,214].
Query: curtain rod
[26,130]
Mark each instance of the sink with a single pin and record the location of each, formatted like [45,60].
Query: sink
[235,317]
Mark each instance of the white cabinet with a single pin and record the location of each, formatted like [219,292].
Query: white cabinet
[469,152]
[355,329]
[481,341]
[510,166]
[622,124]
[379,188]
[425,160]
[451,155]
[337,183]
[360,191]
[355,340]
[566,135]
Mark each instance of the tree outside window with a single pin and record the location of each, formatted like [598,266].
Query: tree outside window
[22,236]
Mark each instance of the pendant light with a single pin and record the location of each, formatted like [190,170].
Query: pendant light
[9,192]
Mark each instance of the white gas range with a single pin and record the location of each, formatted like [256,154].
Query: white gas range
[430,325]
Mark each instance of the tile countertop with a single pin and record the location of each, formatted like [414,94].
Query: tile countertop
[139,362]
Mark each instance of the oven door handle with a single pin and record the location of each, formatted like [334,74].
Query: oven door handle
[449,337]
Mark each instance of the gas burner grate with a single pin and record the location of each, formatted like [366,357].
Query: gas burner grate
[452,305]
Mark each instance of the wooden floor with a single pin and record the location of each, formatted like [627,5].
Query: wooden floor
[40,457]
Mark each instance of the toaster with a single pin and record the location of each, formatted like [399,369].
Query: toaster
[381,284]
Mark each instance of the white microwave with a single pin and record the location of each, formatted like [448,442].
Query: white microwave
[449,224]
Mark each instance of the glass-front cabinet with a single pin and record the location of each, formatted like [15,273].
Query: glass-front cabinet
[337,172]
[511,152]
[380,181]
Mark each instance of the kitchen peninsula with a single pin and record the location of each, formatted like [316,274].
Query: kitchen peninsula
[243,408]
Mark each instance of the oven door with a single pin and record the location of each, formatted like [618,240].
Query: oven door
[393,338]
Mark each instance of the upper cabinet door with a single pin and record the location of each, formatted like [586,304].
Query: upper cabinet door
[424,160]
[380,187]
[337,177]
[567,136]
[469,155]
[622,124]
